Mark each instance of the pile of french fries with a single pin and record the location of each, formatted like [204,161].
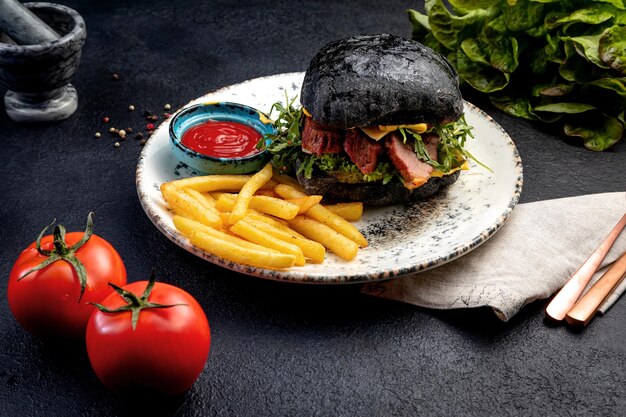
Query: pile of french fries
[263,220]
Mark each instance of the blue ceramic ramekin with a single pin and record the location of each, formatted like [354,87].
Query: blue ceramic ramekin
[220,111]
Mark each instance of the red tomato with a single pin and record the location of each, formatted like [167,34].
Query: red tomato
[166,351]
[46,302]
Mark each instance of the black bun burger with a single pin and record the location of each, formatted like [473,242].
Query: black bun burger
[381,122]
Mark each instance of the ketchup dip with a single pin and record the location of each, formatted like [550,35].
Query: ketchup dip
[222,139]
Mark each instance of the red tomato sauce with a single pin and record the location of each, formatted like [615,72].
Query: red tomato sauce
[222,139]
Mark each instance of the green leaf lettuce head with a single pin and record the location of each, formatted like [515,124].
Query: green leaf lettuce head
[287,154]
[554,61]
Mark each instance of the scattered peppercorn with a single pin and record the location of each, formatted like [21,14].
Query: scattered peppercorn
[154,118]
[167,107]
[143,142]
[105,120]
[113,130]
[115,77]
[122,134]
[129,130]
[147,113]
[131,108]
[150,126]
[167,115]
[117,144]
[97,134]
[139,135]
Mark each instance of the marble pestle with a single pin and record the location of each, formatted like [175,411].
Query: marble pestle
[23,26]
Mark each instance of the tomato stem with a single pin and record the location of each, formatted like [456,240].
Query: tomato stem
[135,304]
[62,252]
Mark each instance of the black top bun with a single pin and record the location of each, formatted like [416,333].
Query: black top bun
[382,79]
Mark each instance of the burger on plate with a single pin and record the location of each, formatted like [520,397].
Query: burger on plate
[381,122]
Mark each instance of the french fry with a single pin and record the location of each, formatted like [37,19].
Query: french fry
[349,211]
[270,205]
[286,179]
[268,193]
[286,191]
[188,227]
[225,202]
[226,199]
[269,185]
[272,221]
[210,183]
[338,224]
[206,202]
[311,249]
[243,199]
[236,253]
[269,223]
[336,242]
[187,206]
[325,216]
[305,203]
[249,232]
[225,216]
[275,206]
[209,197]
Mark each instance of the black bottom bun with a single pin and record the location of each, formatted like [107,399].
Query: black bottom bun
[374,194]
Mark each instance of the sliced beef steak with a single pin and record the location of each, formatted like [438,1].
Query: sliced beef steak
[413,171]
[319,140]
[362,150]
[431,141]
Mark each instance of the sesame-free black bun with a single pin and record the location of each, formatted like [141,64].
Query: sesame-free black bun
[371,80]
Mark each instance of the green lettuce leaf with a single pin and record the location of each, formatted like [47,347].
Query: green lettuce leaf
[566,108]
[518,107]
[449,29]
[523,15]
[546,60]
[612,48]
[598,132]
[617,3]
[588,47]
[593,14]
[482,77]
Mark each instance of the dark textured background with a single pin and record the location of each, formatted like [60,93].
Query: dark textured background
[279,349]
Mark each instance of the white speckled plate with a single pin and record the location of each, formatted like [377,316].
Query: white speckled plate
[402,240]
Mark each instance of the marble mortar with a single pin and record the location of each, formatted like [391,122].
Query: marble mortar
[38,76]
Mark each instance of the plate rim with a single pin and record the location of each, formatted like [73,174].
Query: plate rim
[291,275]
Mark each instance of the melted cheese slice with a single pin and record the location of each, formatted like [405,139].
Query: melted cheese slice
[439,174]
[378,132]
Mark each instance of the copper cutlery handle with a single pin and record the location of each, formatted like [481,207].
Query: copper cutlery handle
[588,305]
[563,302]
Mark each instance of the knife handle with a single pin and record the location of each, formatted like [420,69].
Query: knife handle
[565,299]
[588,305]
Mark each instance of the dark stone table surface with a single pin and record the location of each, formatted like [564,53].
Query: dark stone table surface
[279,349]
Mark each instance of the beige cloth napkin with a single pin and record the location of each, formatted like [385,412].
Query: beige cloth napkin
[536,251]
